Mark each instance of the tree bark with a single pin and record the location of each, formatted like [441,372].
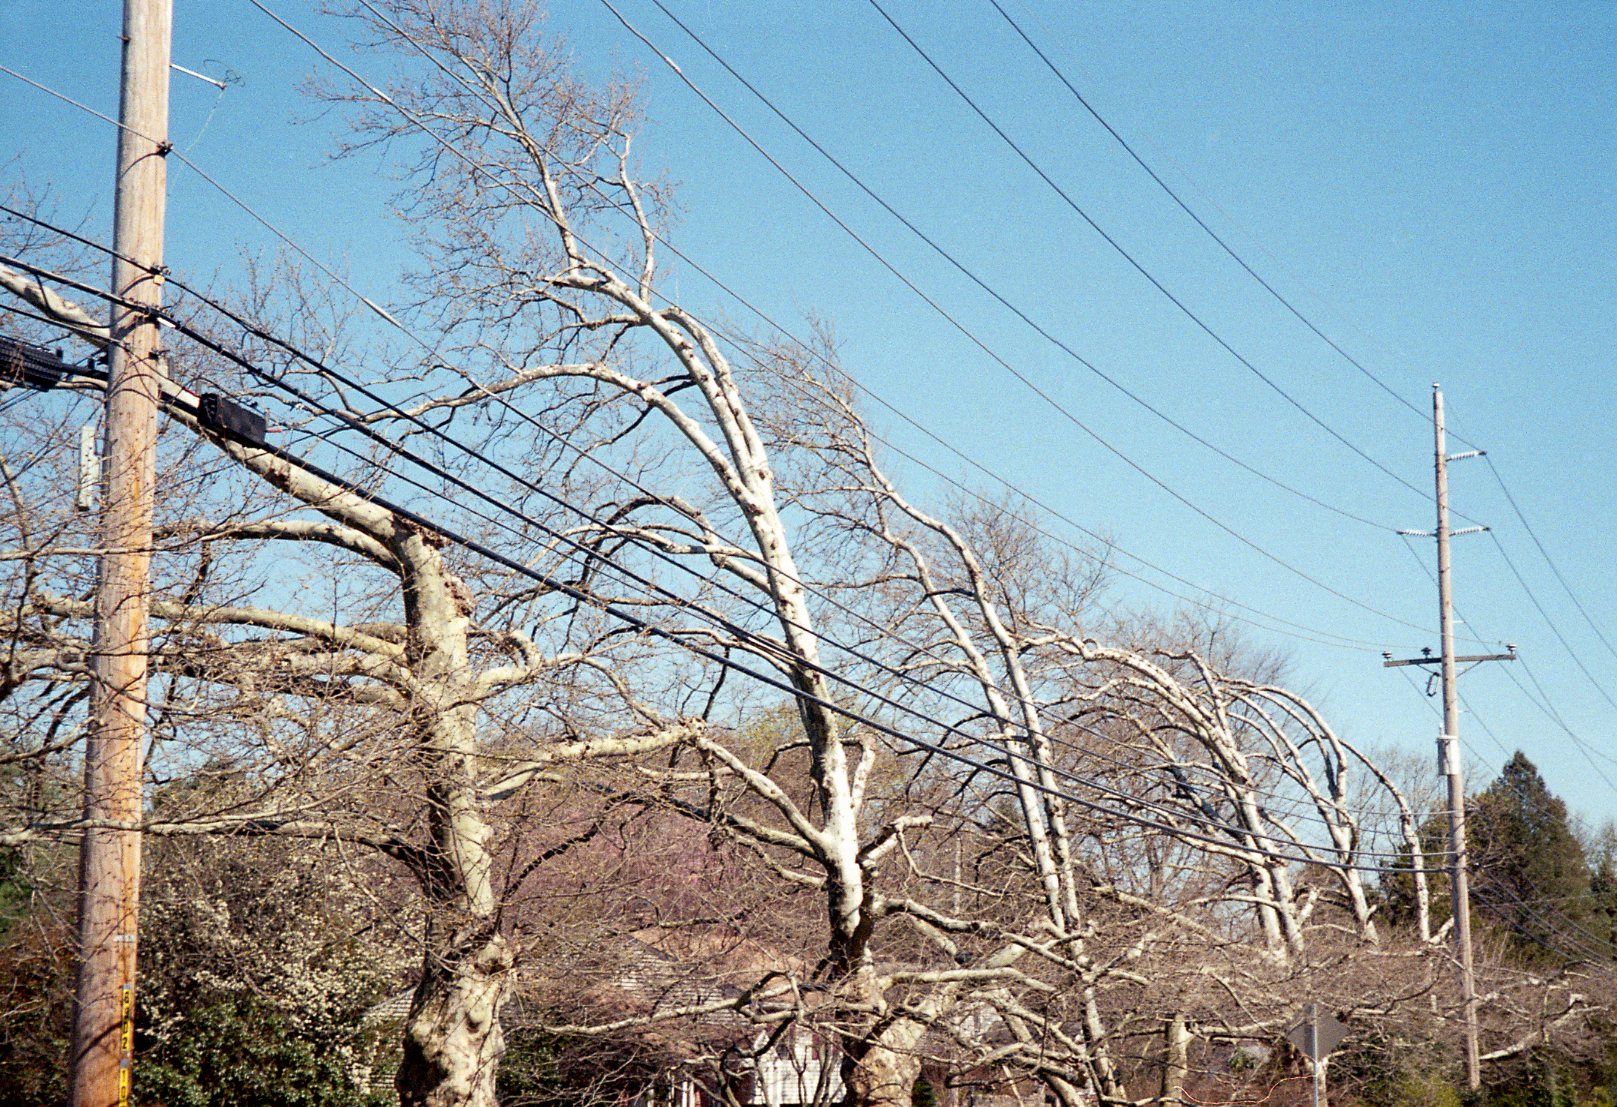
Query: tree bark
[452,1041]
[1175,1059]
[880,1063]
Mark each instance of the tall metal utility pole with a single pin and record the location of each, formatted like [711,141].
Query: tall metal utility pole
[109,859]
[1448,744]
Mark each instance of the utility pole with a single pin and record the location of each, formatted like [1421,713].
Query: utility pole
[109,858]
[1460,881]
[1448,744]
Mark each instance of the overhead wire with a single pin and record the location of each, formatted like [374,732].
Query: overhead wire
[1545,554]
[1136,466]
[1140,268]
[382,17]
[1542,701]
[1507,493]
[1495,894]
[647,586]
[550,581]
[389,318]
[1481,894]
[366,301]
[199,171]
[361,298]
[1225,246]
[1017,374]
[369,302]
[1019,312]
[386,316]
[1470,712]
[1549,622]
[333,376]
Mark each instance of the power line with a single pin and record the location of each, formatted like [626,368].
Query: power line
[367,301]
[189,164]
[1152,173]
[681,642]
[1240,833]
[968,273]
[641,582]
[1544,705]
[433,135]
[1158,285]
[333,376]
[1542,702]
[1136,466]
[1545,554]
[389,318]
[1545,615]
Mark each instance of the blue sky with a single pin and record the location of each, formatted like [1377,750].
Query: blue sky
[1429,184]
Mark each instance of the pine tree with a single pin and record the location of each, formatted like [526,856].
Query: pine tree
[1601,849]
[1530,876]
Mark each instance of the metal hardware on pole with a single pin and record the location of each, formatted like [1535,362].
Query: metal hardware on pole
[109,874]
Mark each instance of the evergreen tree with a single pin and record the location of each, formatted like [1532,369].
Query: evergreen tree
[1529,873]
[1602,852]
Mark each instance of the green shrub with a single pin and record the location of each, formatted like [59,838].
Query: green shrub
[242,1053]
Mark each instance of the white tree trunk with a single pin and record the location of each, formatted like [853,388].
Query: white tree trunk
[452,1041]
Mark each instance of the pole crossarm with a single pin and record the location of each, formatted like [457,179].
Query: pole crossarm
[1394,663]
[1452,533]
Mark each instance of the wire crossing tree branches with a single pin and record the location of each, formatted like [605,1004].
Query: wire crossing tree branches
[987,831]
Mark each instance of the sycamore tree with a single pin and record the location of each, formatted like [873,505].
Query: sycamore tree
[1024,846]
[953,639]
[320,651]
[352,697]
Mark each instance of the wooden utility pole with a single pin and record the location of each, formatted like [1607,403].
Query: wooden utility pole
[109,859]
[1448,743]
[1460,880]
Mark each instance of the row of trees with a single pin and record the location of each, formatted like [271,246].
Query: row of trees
[729,703]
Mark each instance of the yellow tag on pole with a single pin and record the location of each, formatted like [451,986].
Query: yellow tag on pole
[127,1040]
[126,1043]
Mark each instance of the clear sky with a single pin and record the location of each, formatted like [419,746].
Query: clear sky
[1429,184]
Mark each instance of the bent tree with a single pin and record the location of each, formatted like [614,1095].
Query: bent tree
[368,724]
[1023,843]
[536,231]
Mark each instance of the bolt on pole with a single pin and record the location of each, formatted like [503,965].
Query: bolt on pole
[109,859]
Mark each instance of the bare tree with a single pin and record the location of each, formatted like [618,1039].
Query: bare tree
[368,723]
[1027,847]
[534,231]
